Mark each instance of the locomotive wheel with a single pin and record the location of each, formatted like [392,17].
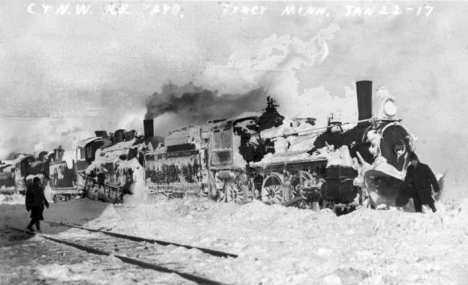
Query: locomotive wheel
[298,181]
[236,192]
[295,190]
[273,194]
[272,190]
[231,192]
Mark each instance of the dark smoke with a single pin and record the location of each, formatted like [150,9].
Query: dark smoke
[194,105]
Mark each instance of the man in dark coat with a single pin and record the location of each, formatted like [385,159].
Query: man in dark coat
[35,201]
[333,136]
[419,179]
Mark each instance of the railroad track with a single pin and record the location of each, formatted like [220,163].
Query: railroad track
[142,252]
[153,241]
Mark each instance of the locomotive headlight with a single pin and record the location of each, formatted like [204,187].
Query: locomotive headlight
[390,108]
[384,105]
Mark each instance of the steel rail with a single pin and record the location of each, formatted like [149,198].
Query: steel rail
[142,264]
[139,239]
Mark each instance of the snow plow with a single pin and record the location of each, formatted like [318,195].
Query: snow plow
[384,189]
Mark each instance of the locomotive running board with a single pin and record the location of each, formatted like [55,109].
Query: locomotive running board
[142,264]
[139,239]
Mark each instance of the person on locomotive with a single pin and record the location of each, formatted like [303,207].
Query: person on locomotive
[419,179]
[333,136]
[35,201]
[146,146]
[313,196]
[101,179]
[127,187]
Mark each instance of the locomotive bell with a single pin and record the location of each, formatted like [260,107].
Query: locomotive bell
[384,105]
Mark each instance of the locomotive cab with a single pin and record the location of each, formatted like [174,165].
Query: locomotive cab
[221,148]
[230,148]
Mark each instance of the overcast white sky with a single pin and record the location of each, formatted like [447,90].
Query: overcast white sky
[65,64]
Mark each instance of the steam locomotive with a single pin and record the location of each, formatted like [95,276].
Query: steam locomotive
[378,141]
[234,159]
[238,159]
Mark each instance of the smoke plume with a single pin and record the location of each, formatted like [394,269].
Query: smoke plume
[195,105]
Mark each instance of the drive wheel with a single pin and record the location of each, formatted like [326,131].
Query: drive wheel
[232,192]
[272,190]
[298,181]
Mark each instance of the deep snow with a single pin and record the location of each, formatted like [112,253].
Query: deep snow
[278,245]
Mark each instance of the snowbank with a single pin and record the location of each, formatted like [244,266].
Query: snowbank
[278,245]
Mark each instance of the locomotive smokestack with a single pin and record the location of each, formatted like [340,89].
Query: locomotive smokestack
[364,98]
[149,128]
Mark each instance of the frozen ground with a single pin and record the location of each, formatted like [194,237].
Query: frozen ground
[276,245]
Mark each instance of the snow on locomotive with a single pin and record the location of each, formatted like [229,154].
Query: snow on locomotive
[250,156]
[328,167]
[109,166]
[265,157]
[56,170]
[7,177]
[204,160]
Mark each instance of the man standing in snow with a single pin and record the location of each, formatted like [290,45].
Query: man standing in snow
[419,178]
[35,201]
